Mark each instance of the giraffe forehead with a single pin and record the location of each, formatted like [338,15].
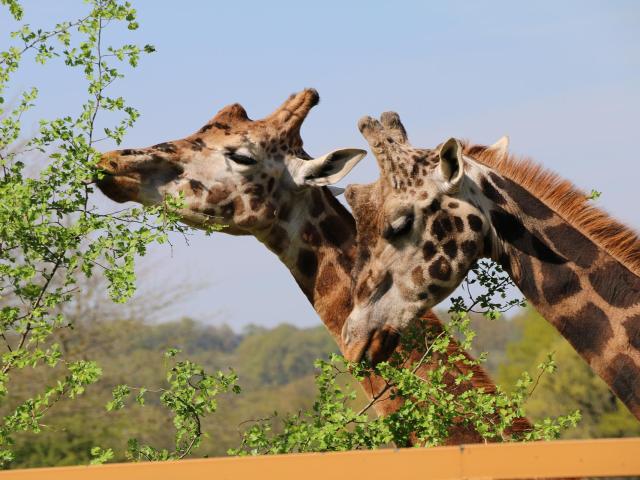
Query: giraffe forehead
[263,145]
[408,162]
[397,205]
[262,132]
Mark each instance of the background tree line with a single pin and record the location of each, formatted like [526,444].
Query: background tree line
[275,369]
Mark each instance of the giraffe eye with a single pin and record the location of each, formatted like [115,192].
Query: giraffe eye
[241,159]
[400,226]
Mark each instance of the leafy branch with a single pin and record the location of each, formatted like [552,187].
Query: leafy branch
[52,236]
[190,396]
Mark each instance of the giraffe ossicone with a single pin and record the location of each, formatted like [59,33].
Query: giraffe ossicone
[434,212]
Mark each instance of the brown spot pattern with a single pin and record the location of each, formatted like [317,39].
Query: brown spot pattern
[558,282]
[307,263]
[417,276]
[588,330]
[363,291]
[632,327]
[278,239]
[475,222]
[625,381]
[572,244]
[526,280]
[616,285]
[327,280]
[428,251]
[310,234]
[527,202]
[440,269]
[469,248]
[334,230]
[459,223]
[216,194]
[491,193]
[450,249]
[238,205]
[440,227]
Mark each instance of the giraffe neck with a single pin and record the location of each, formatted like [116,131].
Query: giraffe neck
[315,238]
[588,295]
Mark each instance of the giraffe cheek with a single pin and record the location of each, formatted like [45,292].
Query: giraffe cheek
[238,205]
[417,276]
[436,293]
[217,194]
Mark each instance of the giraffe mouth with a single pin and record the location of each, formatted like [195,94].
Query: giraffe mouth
[119,188]
[377,347]
[381,345]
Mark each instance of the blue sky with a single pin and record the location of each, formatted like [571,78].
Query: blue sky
[562,79]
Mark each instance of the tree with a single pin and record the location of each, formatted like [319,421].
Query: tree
[51,236]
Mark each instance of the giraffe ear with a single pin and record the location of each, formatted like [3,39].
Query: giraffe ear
[329,168]
[451,163]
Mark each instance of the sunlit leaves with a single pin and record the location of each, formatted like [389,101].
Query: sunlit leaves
[190,394]
[50,235]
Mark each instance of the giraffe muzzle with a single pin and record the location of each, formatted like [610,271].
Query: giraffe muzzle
[375,345]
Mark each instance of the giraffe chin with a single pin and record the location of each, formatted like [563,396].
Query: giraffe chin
[378,347]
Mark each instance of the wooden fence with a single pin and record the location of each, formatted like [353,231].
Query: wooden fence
[567,458]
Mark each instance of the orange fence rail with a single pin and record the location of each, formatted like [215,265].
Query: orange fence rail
[567,458]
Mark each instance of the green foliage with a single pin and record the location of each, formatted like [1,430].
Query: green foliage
[132,352]
[190,396]
[14,8]
[100,456]
[29,414]
[50,235]
[491,301]
[594,195]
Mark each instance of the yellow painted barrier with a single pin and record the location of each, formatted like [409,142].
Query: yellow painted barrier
[567,458]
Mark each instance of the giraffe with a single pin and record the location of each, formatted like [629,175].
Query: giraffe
[434,212]
[255,178]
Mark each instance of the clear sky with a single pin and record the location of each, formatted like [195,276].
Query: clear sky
[562,79]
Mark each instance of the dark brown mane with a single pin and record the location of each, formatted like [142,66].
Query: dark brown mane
[566,200]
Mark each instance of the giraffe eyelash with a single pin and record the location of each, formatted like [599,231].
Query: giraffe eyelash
[241,159]
[399,227]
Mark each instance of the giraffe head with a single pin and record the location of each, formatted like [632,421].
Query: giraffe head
[420,228]
[233,171]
